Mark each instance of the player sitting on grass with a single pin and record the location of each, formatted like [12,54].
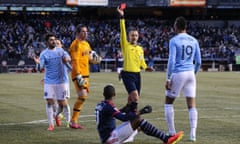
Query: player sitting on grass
[106,112]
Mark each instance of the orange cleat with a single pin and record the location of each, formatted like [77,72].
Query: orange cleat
[75,126]
[175,138]
[58,121]
[50,128]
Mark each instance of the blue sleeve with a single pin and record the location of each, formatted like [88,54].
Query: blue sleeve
[68,65]
[66,55]
[114,112]
[125,117]
[42,61]
[171,59]
[198,60]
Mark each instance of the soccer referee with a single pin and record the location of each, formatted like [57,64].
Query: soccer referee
[133,62]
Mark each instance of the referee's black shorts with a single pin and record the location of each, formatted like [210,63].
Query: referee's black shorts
[132,81]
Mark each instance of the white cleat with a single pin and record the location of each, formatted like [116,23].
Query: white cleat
[192,139]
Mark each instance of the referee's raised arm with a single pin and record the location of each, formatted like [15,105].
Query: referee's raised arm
[123,33]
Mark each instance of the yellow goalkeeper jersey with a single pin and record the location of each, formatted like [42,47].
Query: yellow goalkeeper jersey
[79,52]
[133,56]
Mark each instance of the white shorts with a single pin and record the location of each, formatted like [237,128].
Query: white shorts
[56,91]
[184,82]
[120,134]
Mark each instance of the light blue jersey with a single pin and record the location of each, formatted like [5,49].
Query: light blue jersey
[184,54]
[67,67]
[55,69]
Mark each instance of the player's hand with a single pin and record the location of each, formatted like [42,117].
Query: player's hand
[149,69]
[66,60]
[168,85]
[36,59]
[121,12]
[80,80]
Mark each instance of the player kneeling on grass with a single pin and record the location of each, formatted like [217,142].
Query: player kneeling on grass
[106,115]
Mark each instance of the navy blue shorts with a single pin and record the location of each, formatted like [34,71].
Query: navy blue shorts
[131,81]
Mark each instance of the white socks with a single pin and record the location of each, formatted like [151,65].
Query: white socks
[49,111]
[193,118]
[66,112]
[169,115]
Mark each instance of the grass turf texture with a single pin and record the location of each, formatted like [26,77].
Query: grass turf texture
[23,118]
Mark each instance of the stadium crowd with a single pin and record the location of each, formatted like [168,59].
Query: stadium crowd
[22,36]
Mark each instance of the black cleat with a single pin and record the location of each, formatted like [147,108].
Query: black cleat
[146,109]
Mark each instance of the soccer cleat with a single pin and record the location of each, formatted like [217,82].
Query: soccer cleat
[68,123]
[175,138]
[126,108]
[75,126]
[50,128]
[58,120]
[146,109]
[192,138]
[132,107]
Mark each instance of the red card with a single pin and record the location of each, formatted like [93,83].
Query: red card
[123,6]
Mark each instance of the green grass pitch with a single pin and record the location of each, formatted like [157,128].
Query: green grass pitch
[23,117]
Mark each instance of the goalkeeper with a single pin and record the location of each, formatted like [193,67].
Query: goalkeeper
[80,55]
[106,113]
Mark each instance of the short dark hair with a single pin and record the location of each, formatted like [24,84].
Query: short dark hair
[109,91]
[181,23]
[79,28]
[49,35]
[132,29]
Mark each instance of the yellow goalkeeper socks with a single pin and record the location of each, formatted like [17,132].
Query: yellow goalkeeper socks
[77,108]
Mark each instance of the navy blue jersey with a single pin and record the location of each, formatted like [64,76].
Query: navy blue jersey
[106,112]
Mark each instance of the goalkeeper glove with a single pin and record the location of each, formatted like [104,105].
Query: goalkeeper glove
[80,80]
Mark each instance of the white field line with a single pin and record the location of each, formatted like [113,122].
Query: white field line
[45,121]
[91,118]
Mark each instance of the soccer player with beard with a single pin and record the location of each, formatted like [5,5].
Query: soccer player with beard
[53,60]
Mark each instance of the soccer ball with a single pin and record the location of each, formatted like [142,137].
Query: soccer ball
[94,58]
